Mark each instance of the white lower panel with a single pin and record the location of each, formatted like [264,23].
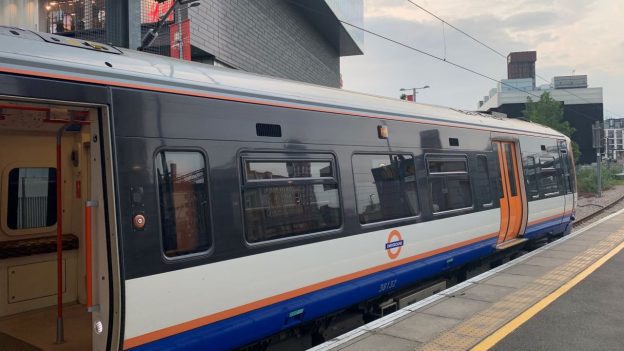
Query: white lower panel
[546,208]
[164,300]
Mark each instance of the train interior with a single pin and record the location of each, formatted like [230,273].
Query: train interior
[29,265]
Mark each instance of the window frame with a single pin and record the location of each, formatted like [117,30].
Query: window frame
[393,220]
[451,175]
[558,179]
[534,177]
[4,202]
[246,155]
[208,209]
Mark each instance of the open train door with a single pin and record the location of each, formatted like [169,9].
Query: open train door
[511,196]
[57,244]
[101,271]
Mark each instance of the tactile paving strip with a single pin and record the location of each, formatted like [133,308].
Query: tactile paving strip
[471,331]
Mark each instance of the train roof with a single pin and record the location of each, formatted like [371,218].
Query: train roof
[48,55]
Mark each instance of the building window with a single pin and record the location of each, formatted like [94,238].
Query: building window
[385,187]
[289,197]
[449,183]
[32,198]
[183,194]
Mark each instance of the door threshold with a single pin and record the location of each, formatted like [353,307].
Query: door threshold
[510,243]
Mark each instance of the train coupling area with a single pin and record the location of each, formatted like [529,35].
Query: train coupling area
[563,296]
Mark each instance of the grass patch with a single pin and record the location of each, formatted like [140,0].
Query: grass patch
[586,178]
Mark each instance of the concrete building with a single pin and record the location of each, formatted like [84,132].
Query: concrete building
[582,105]
[290,39]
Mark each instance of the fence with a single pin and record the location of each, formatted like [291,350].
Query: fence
[84,19]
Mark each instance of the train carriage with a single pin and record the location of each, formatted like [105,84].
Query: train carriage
[148,203]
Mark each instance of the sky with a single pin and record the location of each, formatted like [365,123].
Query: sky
[570,36]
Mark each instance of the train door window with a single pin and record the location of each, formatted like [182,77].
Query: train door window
[449,183]
[548,177]
[511,174]
[482,181]
[183,195]
[31,198]
[567,167]
[530,176]
[385,187]
[289,197]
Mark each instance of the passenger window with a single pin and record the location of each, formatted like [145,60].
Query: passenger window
[530,175]
[549,183]
[449,183]
[31,198]
[287,198]
[385,187]
[183,193]
[482,178]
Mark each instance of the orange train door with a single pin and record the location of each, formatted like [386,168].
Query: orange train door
[511,198]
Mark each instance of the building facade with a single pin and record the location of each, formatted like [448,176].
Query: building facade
[614,139]
[289,39]
[582,105]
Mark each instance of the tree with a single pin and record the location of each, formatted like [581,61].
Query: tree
[549,112]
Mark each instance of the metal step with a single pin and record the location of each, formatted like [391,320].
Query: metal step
[507,244]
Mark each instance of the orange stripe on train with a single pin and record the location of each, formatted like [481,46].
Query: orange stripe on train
[255,102]
[176,329]
[199,322]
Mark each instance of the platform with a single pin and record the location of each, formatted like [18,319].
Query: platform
[566,295]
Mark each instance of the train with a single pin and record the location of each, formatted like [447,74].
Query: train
[149,203]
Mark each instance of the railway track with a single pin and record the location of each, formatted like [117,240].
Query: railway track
[596,214]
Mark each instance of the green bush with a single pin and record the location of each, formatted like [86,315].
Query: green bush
[586,177]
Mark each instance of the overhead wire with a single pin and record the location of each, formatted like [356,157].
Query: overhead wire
[442,59]
[426,53]
[492,49]
[458,29]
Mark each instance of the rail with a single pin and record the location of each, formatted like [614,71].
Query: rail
[597,213]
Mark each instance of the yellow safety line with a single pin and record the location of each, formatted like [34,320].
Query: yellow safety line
[497,336]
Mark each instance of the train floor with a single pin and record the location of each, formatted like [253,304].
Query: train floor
[563,296]
[36,330]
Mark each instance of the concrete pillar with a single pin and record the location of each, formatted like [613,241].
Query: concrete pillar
[134,24]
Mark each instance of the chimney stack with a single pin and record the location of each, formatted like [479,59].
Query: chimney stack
[521,65]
